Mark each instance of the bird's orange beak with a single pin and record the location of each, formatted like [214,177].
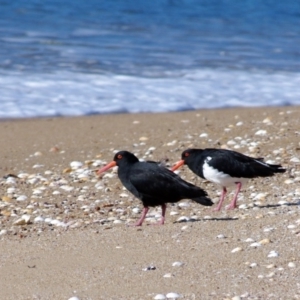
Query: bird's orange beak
[108,166]
[178,165]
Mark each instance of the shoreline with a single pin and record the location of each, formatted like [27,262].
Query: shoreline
[85,243]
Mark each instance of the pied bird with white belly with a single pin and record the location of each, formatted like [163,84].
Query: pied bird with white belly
[226,168]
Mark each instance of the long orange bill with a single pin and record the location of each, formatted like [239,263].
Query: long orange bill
[108,166]
[178,165]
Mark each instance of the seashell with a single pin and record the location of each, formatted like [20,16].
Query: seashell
[255,245]
[253,265]
[56,193]
[260,196]
[270,274]
[37,192]
[221,236]
[76,164]
[183,219]
[172,143]
[238,249]
[173,213]
[38,153]
[11,190]
[283,202]
[67,170]
[177,264]
[56,223]
[123,195]
[6,213]
[270,266]
[267,120]
[67,188]
[159,297]
[261,132]
[74,298]
[37,166]
[203,135]
[168,275]
[38,219]
[136,210]
[33,180]
[6,199]
[291,226]
[291,265]
[172,295]
[243,206]
[23,175]
[184,227]
[118,222]
[21,198]
[295,159]
[143,139]
[25,219]
[109,175]
[239,123]
[265,241]
[3,232]
[184,204]
[288,181]
[273,253]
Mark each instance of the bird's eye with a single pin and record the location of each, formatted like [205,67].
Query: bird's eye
[119,156]
[186,154]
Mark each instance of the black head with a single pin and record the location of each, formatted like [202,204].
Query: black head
[125,157]
[189,154]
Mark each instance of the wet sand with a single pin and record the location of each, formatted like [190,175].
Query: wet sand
[74,240]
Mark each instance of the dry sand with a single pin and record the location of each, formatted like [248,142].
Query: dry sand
[87,250]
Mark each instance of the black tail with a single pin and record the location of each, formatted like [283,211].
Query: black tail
[203,200]
[277,168]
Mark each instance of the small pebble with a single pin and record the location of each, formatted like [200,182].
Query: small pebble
[159,297]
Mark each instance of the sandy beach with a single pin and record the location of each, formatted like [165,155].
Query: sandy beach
[63,229]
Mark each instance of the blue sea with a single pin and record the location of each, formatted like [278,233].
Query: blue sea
[71,58]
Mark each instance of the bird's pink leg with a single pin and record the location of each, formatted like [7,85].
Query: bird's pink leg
[224,191]
[142,218]
[232,204]
[163,214]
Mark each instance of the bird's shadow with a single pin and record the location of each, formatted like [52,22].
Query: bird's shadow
[277,205]
[210,219]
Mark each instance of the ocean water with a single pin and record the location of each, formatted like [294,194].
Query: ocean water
[67,58]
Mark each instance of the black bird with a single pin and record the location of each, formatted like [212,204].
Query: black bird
[153,184]
[226,167]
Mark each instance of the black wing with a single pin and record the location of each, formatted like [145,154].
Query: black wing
[239,165]
[156,181]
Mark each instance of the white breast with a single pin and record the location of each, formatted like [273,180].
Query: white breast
[220,178]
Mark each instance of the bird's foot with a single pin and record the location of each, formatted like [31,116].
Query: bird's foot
[231,207]
[158,223]
[216,209]
[135,224]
